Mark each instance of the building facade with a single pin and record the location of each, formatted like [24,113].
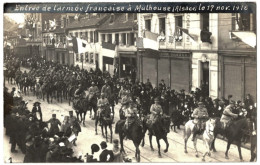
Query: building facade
[196,51]
[118,38]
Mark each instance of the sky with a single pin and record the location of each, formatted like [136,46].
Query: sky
[17,17]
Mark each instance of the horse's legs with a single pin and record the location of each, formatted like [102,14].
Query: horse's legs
[150,140]
[111,133]
[228,146]
[137,152]
[159,147]
[102,130]
[96,123]
[187,134]
[121,137]
[239,151]
[106,132]
[212,146]
[143,137]
[207,149]
[84,116]
[167,144]
[195,147]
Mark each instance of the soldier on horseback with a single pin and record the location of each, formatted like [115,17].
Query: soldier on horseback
[228,114]
[102,105]
[93,89]
[131,115]
[156,112]
[200,115]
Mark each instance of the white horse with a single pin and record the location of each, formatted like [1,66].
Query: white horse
[207,135]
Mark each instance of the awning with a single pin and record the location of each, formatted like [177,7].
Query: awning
[247,37]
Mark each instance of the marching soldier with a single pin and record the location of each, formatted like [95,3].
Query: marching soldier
[200,114]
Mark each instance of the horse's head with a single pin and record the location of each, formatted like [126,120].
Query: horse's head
[166,120]
[210,126]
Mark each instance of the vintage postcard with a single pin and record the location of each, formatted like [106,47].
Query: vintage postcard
[129,82]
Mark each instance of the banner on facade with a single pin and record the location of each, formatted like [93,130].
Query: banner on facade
[109,49]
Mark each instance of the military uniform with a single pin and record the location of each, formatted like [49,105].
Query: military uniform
[93,90]
[155,110]
[125,101]
[101,105]
[227,115]
[107,91]
[54,128]
[200,115]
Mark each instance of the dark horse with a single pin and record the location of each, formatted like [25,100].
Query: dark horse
[159,129]
[135,133]
[106,121]
[81,107]
[92,104]
[234,133]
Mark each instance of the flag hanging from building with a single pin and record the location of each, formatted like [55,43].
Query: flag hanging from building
[150,40]
[79,45]
[109,49]
[186,31]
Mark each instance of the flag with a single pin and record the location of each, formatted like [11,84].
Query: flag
[150,40]
[109,49]
[186,31]
[79,45]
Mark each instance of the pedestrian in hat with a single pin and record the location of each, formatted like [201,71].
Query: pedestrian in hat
[106,155]
[118,156]
[36,111]
[228,114]
[74,125]
[200,115]
[90,158]
[54,125]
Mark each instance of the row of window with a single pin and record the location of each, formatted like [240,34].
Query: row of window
[91,36]
[126,38]
[240,21]
[58,39]
[87,57]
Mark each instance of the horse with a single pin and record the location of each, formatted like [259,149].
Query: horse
[106,121]
[233,132]
[47,89]
[71,92]
[59,87]
[135,133]
[189,127]
[81,107]
[159,129]
[38,90]
[92,104]
[208,136]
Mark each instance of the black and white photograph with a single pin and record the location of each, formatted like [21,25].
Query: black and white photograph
[148,82]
